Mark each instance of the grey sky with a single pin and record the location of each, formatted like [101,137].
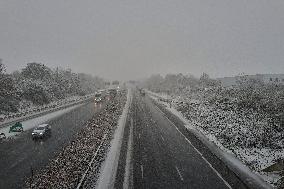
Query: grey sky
[132,39]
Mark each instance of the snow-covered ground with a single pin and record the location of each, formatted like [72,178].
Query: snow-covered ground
[255,158]
[80,160]
[32,123]
[28,109]
[109,168]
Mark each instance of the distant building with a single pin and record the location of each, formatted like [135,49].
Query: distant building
[265,78]
[272,78]
[228,81]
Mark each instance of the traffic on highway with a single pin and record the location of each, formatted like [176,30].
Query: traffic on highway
[27,151]
[148,94]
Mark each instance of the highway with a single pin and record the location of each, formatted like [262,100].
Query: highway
[157,151]
[22,156]
[165,155]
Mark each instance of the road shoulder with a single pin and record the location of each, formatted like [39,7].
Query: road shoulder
[249,178]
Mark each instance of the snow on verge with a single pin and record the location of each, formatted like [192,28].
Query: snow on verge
[217,148]
[109,168]
[32,123]
[36,111]
[128,177]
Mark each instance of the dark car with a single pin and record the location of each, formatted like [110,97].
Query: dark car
[2,136]
[113,92]
[41,131]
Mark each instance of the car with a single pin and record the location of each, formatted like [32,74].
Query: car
[98,97]
[41,131]
[112,92]
[142,92]
[2,136]
[17,127]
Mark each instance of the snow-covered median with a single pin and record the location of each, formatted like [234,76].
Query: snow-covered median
[78,163]
[109,169]
[199,118]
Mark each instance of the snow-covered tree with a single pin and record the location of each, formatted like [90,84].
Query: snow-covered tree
[39,84]
[37,71]
[8,96]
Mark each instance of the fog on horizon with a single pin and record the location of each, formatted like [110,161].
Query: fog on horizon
[134,39]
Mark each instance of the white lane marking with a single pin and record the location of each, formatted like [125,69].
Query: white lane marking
[179,173]
[128,176]
[139,136]
[90,163]
[162,138]
[217,173]
[142,173]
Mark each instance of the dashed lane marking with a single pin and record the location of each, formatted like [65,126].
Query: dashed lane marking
[142,173]
[217,173]
[179,173]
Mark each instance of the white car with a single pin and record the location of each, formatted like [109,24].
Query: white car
[98,97]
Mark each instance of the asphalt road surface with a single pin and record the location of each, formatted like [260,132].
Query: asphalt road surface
[165,155]
[22,156]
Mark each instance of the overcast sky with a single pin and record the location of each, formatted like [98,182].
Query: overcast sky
[131,39]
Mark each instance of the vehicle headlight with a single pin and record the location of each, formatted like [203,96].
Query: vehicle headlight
[40,133]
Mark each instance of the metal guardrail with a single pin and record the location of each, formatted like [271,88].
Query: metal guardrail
[82,180]
[20,119]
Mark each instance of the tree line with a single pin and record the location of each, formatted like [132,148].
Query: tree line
[38,84]
[179,83]
[264,98]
